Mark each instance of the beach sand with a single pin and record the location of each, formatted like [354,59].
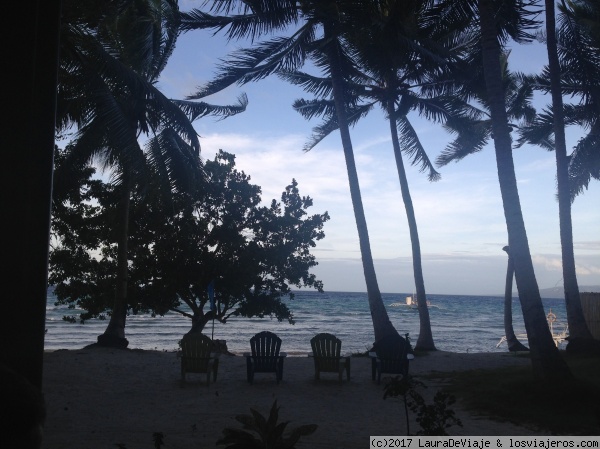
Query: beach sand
[103,398]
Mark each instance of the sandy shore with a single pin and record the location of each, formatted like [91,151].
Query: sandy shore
[102,398]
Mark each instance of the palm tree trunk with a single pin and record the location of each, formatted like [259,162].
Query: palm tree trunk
[578,329]
[546,361]
[382,326]
[425,339]
[114,335]
[511,339]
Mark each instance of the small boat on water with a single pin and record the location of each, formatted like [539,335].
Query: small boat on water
[410,301]
[558,337]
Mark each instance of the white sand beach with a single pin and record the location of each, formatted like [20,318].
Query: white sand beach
[103,398]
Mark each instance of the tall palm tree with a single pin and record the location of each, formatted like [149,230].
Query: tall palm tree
[546,361]
[475,132]
[396,60]
[581,75]
[578,329]
[110,61]
[315,27]
[497,21]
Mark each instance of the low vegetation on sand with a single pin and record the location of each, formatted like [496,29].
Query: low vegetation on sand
[511,394]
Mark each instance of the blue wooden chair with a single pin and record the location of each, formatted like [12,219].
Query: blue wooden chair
[265,356]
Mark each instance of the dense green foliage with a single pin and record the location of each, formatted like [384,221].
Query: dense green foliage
[253,253]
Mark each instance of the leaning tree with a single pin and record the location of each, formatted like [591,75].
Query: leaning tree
[572,70]
[496,22]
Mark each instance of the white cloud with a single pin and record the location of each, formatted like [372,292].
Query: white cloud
[460,219]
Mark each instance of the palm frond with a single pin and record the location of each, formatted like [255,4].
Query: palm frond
[584,164]
[471,138]
[260,61]
[318,86]
[176,162]
[539,131]
[314,108]
[198,109]
[326,109]
[320,132]
[411,145]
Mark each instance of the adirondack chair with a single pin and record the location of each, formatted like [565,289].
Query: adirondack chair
[196,357]
[326,350]
[391,356]
[265,356]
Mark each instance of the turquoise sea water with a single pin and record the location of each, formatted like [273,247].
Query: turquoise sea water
[459,324]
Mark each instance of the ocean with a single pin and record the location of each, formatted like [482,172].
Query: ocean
[459,324]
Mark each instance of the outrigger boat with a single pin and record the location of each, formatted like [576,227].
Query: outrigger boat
[410,301]
[558,337]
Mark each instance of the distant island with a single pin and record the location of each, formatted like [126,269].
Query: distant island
[558,292]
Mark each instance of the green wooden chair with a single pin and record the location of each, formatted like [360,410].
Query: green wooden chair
[196,357]
[326,349]
[265,356]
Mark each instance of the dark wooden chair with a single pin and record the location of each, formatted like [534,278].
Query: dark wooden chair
[326,349]
[265,356]
[391,356]
[196,357]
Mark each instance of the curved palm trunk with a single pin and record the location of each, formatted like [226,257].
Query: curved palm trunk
[425,340]
[511,339]
[578,329]
[382,326]
[114,335]
[546,361]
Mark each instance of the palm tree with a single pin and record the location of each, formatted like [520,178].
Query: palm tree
[548,130]
[580,52]
[496,22]
[546,361]
[475,132]
[316,28]
[396,59]
[110,61]
[578,329]
[512,341]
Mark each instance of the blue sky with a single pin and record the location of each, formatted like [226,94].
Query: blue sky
[460,218]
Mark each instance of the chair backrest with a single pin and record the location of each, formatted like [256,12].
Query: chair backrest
[392,352]
[265,348]
[265,344]
[195,352]
[326,350]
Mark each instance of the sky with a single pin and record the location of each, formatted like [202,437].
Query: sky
[460,218]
